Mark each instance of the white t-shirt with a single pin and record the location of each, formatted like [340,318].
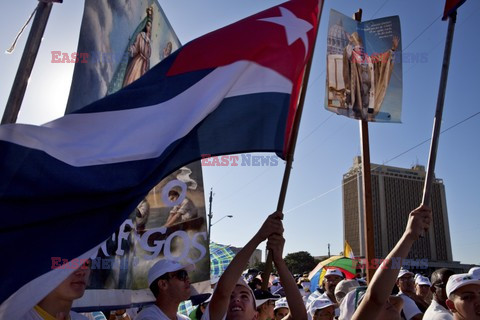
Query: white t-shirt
[154,313]
[33,315]
[437,312]
[410,309]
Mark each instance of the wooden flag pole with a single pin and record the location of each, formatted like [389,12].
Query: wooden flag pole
[439,111]
[366,188]
[291,147]
[26,63]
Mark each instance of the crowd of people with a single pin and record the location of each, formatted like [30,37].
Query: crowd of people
[239,296]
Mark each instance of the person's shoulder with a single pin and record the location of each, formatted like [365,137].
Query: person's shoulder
[150,312]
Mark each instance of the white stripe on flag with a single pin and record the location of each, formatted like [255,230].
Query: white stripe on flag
[143,133]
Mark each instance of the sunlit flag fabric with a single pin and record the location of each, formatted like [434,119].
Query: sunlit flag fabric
[68,184]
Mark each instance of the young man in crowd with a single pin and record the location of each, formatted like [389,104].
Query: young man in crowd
[57,304]
[281,309]
[406,287]
[233,299]
[375,304]
[170,285]
[463,292]
[422,288]
[330,280]
[265,302]
[438,309]
[322,309]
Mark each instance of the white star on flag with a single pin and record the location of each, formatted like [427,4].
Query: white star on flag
[295,28]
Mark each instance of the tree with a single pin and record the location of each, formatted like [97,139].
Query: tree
[300,262]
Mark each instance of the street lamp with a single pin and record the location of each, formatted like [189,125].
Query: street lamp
[210,224]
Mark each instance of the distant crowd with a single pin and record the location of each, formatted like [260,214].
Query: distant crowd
[239,295]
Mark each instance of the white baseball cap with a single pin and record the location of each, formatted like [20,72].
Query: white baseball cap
[319,304]
[475,272]
[457,281]
[164,266]
[334,272]
[281,303]
[423,281]
[404,272]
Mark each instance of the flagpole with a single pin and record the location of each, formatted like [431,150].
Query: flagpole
[291,147]
[26,63]
[439,111]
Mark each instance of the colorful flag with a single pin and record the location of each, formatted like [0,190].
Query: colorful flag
[450,7]
[348,252]
[67,185]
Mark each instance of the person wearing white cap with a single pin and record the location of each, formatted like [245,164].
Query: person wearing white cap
[265,302]
[475,272]
[322,309]
[232,301]
[330,280]
[170,285]
[406,286]
[344,287]
[376,300]
[463,292]
[422,288]
[281,309]
[438,309]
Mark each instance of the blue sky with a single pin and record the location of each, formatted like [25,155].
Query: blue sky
[327,143]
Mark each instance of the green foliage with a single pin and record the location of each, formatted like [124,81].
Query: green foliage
[300,262]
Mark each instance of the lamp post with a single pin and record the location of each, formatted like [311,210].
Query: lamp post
[210,224]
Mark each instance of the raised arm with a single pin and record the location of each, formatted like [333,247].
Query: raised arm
[384,279]
[221,296]
[295,302]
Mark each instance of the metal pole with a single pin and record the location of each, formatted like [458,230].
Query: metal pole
[210,215]
[26,63]
[439,111]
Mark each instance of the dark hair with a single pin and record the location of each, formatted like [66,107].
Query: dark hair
[154,286]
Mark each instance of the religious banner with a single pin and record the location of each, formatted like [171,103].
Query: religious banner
[119,42]
[364,68]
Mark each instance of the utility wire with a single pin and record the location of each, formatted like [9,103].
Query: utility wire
[395,157]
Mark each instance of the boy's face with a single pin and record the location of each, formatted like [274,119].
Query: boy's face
[74,286]
[241,305]
[281,313]
[465,302]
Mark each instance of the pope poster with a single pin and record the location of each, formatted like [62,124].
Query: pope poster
[123,40]
[364,70]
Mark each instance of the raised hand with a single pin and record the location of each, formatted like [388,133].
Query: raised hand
[418,222]
[273,225]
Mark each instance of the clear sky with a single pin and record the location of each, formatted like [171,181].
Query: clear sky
[327,143]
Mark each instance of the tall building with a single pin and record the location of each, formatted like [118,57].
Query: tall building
[395,192]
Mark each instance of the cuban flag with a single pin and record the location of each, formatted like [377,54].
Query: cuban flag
[67,185]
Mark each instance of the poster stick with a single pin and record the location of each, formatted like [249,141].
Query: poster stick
[366,187]
[291,147]
[26,63]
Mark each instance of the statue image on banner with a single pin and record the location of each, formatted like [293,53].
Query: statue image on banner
[140,52]
[363,76]
[124,40]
